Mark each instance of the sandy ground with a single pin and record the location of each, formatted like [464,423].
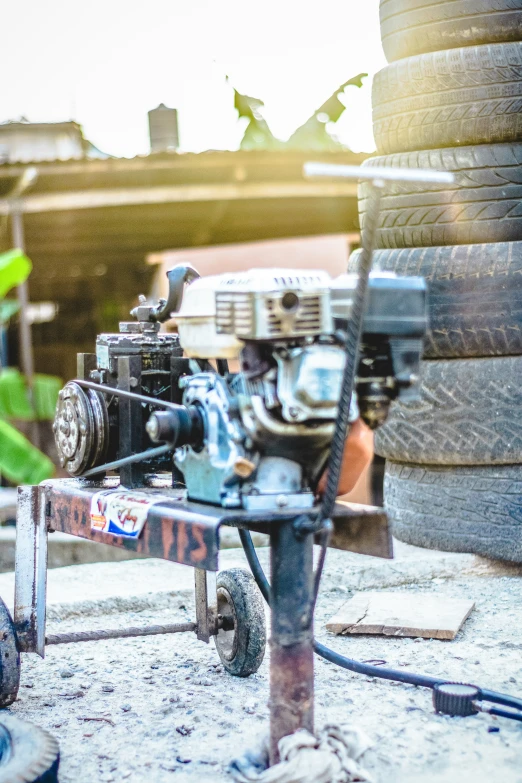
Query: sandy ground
[162,709]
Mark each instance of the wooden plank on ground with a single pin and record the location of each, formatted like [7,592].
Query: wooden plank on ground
[401,614]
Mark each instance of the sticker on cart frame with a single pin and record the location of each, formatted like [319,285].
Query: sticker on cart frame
[121,513]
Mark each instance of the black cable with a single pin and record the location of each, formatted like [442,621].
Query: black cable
[222,366]
[354,329]
[351,348]
[325,536]
[409,678]
[142,456]
[503,713]
[255,565]
[500,698]
[422,680]
[128,395]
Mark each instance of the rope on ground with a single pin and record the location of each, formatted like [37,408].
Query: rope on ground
[330,757]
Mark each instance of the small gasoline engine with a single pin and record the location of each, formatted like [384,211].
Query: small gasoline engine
[254,434]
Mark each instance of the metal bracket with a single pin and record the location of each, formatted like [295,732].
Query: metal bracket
[31,569]
[131,420]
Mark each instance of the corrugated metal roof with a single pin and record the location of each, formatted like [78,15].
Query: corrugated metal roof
[92,260]
[160,159]
[127,231]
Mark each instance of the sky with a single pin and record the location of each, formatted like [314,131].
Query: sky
[106,63]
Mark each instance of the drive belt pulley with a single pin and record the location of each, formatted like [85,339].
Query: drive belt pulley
[81,428]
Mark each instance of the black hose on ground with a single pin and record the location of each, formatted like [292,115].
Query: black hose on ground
[409,678]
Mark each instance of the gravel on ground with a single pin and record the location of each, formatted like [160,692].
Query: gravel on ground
[162,708]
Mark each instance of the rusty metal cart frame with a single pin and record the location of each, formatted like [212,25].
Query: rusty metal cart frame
[188,533]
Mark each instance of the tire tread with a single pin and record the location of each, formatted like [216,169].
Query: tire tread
[457,509]
[410,28]
[471,95]
[468,414]
[248,602]
[474,296]
[483,205]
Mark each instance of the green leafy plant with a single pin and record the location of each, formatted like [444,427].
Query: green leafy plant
[20,461]
[311,136]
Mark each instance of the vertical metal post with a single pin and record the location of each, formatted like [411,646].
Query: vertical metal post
[131,420]
[26,345]
[206,603]
[31,569]
[85,363]
[291,656]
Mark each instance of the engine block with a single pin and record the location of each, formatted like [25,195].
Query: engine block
[255,435]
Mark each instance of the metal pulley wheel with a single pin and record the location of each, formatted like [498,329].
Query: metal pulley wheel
[81,428]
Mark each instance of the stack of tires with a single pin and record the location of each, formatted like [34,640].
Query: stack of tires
[451,99]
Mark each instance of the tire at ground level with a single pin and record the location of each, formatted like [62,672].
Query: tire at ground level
[28,754]
[483,205]
[474,296]
[469,413]
[457,509]
[241,647]
[415,26]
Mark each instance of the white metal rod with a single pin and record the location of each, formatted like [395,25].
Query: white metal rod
[386,173]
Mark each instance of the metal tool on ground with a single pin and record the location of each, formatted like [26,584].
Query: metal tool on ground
[165,445]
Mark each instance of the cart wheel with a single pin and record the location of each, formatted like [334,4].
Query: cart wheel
[9,659]
[28,754]
[241,640]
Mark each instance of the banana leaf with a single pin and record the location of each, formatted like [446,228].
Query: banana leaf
[20,461]
[15,268]
[14,396]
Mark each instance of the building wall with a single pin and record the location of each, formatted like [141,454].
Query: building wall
[329,253]
[29,143]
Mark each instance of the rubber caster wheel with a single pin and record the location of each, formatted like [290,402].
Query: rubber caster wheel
[241,638]
[28,754]
[9,659]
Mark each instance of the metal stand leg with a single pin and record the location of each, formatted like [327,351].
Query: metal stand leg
[292,658]
[31,570]
[206,603]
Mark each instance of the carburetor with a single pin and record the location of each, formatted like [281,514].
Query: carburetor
[255,435]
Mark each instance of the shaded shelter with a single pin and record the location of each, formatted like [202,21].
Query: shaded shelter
[90,223]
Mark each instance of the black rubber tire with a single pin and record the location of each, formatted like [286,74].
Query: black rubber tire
[411,27]
[462,96]
[483,205]
[470,413]
[28,754]
[9,659]
[457,509]
[241,650]
[474,296]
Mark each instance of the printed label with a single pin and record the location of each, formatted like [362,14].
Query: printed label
[121,513]
[102,357]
